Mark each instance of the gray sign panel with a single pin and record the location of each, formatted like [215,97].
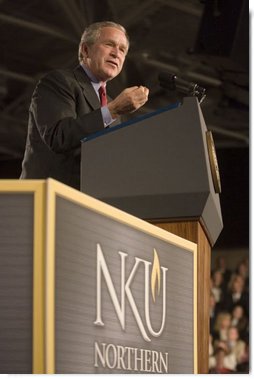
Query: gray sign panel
[16,283]
[124,299]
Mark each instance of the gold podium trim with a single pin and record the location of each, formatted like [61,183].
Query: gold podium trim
[50,280]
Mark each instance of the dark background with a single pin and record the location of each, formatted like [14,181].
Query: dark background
[205,42]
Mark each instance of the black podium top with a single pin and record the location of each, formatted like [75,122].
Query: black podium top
[155,167]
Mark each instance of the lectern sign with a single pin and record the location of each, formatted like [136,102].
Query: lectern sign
[89,289]
[130,306]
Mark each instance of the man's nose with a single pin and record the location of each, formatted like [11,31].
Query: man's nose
[115,51]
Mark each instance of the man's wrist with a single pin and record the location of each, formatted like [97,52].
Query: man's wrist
[113,112]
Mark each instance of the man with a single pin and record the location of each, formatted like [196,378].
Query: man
[66,107]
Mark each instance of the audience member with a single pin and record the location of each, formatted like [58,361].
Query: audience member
[237,295]
[220,363]
[222,324]
[243,270]
[240,321]
[214,310]
[243,366]
[220,265]
[235,345]
[217,286]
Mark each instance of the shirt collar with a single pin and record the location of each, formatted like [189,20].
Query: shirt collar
[96,84]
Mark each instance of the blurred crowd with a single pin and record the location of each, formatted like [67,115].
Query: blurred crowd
[229,318]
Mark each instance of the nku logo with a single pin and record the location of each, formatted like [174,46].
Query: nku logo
[152,279]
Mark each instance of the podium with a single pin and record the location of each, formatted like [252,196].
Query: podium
[162,168]
[87,288]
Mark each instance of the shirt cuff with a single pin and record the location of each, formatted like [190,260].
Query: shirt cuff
[107,119]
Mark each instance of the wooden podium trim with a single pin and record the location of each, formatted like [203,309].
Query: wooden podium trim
[193,231]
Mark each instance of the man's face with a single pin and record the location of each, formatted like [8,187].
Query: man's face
[106,57]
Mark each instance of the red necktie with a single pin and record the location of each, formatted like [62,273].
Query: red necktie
[103,96]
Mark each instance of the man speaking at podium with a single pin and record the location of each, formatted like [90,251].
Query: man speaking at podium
[68,105]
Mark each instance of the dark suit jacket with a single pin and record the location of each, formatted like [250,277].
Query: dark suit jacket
[64,109]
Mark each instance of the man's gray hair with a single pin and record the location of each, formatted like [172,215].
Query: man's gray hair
[92,33]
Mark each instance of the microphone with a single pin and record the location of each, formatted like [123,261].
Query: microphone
[173,83]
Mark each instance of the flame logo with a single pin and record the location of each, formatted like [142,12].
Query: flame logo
[155,275]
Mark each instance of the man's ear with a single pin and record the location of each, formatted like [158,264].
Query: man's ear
[84,50]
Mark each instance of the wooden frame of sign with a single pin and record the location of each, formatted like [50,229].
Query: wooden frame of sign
[193,231]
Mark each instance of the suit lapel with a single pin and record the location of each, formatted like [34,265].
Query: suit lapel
[88,90]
